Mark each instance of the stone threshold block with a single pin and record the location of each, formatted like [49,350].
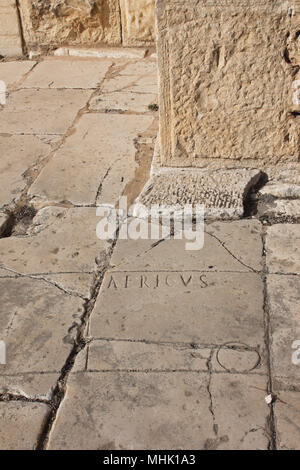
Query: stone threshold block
[222,191]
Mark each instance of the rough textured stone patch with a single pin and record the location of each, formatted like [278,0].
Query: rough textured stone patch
[19,153]
[284,299]
[21,424]
[10,39]
[283,248]
[161,410]
[68,74]
[138,22]
[41,111]
[220,99]
[71,22]
[97,159]
[287,416]
[222,193]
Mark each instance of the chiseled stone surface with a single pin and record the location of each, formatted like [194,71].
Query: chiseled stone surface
[138,22]
[10,39]
[21,424]
[90,157]
[13,72]
[41,111]
[19,153]
[222,193]
[283,248]
[214,83]
[53,23]
[161,411]
[68,74]
[284,300]
[287,417]
[185,307]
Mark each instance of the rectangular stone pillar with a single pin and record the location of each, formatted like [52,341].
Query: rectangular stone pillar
[10,37]
[229,72]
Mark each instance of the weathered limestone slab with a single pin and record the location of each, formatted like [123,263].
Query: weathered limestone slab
[185,307]
[234,246]
[10,38]
[21,424]
[19,153]
[92,161]
[283,208]
[284,299]
[220,98]
[74,73]
[36,321]
[140,356]
[287,416]
[240,411]
[138,22]
[283,248]
[41,111]
[60,242]
[161,411]
[71,22]
[13,72]
[123,102]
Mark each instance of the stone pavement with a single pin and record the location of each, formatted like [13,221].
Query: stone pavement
[143,345]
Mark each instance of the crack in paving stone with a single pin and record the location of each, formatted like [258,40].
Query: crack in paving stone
[79,344]
[271,422]
[39,278]
[8,396]
[231,254]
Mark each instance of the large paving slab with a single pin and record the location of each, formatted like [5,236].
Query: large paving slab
[74,73]
[287,418]
[12,72]
[19,153]
[284,301]
[175,410]
[234,246]
[37,325]
[21,424]
[163,293]
[132,355]
[139,77]
[89,156]
[283,248]
[41,111]
[62,242]
[185,307]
